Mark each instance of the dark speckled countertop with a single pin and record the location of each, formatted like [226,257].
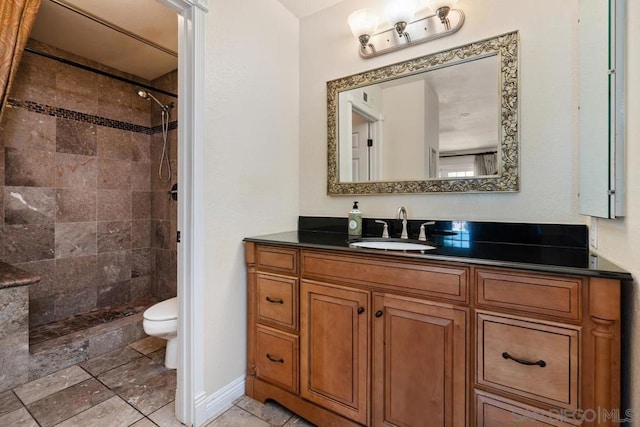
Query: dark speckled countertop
[11,276]
[558,249]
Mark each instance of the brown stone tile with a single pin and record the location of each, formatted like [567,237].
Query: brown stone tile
[114,267]
[72,274]
[46,270]
[100,344]
[112,412]
[70,304]
[141,262]
[75,171]
[145,422]
[14,358]
[165,263]
[41,310]
[160,205]
[35,80]
[70,401]
[114,143]
[8,402]
[75,137]
[98,365]
[166,416]
[140,234]
[141,204]
[141,176]
[114,236]
[158,356]
[235,417]
[29,205]
[164,287]
[50,384]
[14,316]
[28,242]
[29,168]
[25,130]
[148,345]
[114,174]
[113,294]
[76,239]
[18,418]
[52,360]
[141,287]
[151,394]
[161,237]
[271,412]
[78,90]
[297,421]
[75,205]
[115,99]
[114,205]
[141,147]
[132,374]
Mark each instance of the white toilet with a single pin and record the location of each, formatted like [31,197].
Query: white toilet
[161,320]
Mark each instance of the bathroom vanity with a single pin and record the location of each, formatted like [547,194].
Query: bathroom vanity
[353,336]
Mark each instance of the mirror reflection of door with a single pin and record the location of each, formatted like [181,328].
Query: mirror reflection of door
[360,158]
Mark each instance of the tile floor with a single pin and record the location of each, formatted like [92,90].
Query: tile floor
[127,387]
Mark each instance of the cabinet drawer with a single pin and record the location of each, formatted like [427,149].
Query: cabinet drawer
[277,358]
[278,300]
[497,411]
[420,278]
[538,294]
[279,259]
[533,359]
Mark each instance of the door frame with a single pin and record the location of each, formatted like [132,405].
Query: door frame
[190,391]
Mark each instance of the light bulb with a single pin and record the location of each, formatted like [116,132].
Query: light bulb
[400,11]
[363,22]
[437,4]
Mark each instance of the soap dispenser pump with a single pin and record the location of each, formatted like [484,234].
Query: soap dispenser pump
[355,221]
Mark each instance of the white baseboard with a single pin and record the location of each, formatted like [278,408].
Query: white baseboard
[209,407]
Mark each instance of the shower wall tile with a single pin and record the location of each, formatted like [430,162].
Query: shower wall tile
[75,205]
[80,301]
[141,147]
[165,263]
[140,176]
[140,234]
[114,174]
[78,91]
[160,237]
[141,204]
[46,270]
[114,236]
[26,130]
[114,267]
[29,205]
[29,168]
[73,274]
[114,205]
[160,205]
[28,242]
[141,287]
[76,171]
[14,356]
[76,239]
[52,360]
[14,316]
[114,143]
[141,263]
[113,294]
[36,80]
[164,288]
[76,137]
[41,311]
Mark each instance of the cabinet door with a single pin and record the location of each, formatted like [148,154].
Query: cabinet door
[420,368]
[333,350]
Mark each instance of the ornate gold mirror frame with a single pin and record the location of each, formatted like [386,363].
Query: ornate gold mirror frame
[507,178]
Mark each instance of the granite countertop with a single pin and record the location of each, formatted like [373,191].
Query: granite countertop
[541,258]
[11,276]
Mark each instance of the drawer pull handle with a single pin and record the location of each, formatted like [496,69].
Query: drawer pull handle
[273,359]
[379,313]
[540,363]
[275,301]
[360,310]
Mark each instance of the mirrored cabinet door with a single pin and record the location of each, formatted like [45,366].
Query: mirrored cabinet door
[601,113]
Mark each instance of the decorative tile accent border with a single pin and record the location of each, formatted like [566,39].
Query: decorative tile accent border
[87,118]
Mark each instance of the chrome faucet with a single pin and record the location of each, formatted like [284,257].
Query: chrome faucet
[402,214]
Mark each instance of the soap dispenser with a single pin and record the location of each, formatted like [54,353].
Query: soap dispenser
[355,221]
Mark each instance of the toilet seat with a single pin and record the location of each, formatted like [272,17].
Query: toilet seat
[162,311]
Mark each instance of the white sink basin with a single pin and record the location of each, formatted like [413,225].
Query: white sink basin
[392,245]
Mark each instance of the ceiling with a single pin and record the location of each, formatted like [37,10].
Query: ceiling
[92,30]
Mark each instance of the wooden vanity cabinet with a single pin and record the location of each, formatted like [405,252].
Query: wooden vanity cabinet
[351,339]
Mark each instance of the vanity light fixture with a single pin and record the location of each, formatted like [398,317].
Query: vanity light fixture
[439,19]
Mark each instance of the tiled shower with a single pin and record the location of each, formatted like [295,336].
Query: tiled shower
[83,206]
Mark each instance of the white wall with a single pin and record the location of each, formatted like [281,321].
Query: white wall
[251,160]
[548,121]
[619,239]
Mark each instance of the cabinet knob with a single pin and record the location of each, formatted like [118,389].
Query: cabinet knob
[379,313]
[360,310]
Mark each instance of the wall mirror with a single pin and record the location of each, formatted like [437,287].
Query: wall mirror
[444,122]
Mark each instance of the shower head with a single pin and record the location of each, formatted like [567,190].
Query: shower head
[146,95]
